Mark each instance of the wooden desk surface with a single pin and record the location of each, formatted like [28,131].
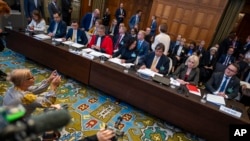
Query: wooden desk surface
[164,102]
[54,57]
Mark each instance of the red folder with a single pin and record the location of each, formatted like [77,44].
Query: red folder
[193,89]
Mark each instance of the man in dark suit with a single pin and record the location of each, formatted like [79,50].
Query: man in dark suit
[66,11]
[135,19]
[225,60]
[225,84]
[201,48]
[57,27]
[89,19]
[120,14]
[153,26]
[30,6]
[157,61]
[120,39]
[76,35]
[246,47]
[142,46]
[53,8]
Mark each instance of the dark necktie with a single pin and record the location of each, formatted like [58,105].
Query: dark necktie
[227,60]
[117,42]
[223,86]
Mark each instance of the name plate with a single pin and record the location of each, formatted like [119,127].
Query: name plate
[230,111]
[91,57]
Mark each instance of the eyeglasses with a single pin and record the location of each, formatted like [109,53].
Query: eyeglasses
[231,69]
[32,77]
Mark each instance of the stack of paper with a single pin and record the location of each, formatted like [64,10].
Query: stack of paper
[148,72]
[98,54]
[58,39]
[174,82]
[42,36]
[218,100]
[118,61]
[68,42]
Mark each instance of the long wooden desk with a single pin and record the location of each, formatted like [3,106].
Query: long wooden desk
[54,57]
[188,113]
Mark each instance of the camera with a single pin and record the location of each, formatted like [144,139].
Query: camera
[116,130]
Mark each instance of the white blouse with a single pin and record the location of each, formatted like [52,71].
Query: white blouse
[38,26]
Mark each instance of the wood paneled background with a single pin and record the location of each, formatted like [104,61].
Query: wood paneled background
[194,19]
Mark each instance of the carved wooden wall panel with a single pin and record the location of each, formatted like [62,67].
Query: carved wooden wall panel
[194,19]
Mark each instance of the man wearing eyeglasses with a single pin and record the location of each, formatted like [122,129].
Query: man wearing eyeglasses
[225,84]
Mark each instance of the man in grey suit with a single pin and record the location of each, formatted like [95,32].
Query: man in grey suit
[30,6]
[225,84]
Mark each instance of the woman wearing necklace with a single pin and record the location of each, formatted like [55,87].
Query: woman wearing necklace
[189,72]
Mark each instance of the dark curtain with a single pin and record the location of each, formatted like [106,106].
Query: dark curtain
[228,19]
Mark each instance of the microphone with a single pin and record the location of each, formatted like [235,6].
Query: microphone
[48,121]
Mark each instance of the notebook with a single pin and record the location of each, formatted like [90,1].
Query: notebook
[193,89]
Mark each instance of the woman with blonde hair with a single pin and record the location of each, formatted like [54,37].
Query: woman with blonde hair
[26,93]
[188,72]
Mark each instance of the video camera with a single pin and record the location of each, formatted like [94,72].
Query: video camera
[117,131]
[14,127]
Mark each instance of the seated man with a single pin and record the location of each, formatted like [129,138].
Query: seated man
[76,35]
[225,60]
[225,84]
[101,42]
[157,61]
[57,27]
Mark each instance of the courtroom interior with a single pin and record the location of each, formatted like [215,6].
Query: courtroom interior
[125,70]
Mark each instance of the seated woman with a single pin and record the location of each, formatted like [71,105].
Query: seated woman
[207,65]
[128,51]
[26,93]
[37,23]
[157,61]
[188,73]
[93,30]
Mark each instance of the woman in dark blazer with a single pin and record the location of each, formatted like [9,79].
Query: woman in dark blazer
[128,51]
[188,73]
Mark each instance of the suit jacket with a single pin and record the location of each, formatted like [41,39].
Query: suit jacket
[86,21]
[143,49]
[81,36]
[193,77]
[232,87]
[162,65]
[176,48]
[153,28]
[122,41]
[61,29]
[128,55]
[53,9]
[118,13]
[223,57]
[106,44]
[29,6]
[205,60]
[66,6]
[132,21]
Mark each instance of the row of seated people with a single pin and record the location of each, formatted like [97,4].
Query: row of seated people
[105,44]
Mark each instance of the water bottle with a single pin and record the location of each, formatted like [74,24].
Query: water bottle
[27,30]
[53,40]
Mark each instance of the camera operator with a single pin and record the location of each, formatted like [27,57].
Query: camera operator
[26,93]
